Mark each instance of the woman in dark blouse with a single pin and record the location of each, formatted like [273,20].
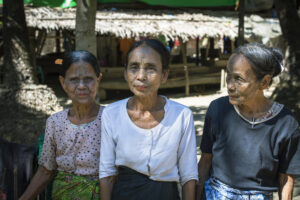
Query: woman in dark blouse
[250,146]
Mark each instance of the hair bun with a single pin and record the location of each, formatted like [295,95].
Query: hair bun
[279,57]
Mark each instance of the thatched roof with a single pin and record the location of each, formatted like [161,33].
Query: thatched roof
[170,23]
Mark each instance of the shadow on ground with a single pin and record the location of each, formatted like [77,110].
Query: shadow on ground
[199,116]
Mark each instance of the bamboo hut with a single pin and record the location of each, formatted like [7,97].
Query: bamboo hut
[185,26]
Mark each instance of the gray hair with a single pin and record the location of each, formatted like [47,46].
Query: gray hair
[263,60]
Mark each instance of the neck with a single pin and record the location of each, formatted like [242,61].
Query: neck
[82,112]
[256,107]
[152,103]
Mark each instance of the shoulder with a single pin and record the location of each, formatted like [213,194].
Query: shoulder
[116,105]
[287,119]
[220,102]
[178,107]
[219,106]
[58,117]
[115,108]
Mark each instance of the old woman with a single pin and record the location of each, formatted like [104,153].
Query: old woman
[148,141]
[70,155]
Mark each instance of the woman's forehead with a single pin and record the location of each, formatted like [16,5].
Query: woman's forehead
[80,68]
[241,65]
[144,53]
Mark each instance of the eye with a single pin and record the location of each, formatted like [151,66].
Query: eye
[151,68]
[240,79]
[133,67]
[74,80]
[88,79]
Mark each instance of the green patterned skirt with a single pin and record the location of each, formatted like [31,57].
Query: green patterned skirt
[71,187]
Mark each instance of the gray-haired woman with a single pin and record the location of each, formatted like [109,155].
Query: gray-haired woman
[250,146]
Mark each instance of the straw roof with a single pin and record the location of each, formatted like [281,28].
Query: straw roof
[169,23]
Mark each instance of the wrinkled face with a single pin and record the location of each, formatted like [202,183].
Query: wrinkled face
[80,83]
[144,72]
[242,84]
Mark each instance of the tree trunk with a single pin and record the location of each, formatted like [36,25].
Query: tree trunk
[85,26]
[288,91]
[24,106]
[17,58]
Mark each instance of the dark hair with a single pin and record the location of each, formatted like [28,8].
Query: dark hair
[157,46]
[263,60]
[77,56]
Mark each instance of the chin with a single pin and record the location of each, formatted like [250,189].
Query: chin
[234,102]
[84,101]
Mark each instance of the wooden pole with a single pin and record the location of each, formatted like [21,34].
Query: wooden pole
[15,182]
[40,42]
[114,51]
[186,71]
[223,80]
[197,52]
[241,22]
[57,41]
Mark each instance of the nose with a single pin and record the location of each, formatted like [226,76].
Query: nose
[230,84]
[81,84]
[141,74]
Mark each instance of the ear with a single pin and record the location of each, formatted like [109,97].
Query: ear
[125,74]
[265,82]
[99,77]
[165,75]
[62,82]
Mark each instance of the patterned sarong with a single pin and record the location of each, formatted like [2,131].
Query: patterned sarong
[71,187]
[216,190]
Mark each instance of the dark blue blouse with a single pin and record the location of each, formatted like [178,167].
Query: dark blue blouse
[250,157]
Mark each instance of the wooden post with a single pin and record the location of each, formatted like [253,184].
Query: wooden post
[207,49]
[57,41]
[197,52]
[232,46]
[187,81]
[241,22]
[113,51]
[186,72]
[15,182]
[223,80]
[40,41]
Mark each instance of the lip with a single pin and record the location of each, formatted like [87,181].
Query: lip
[82,94]
[233,96]
[140,87]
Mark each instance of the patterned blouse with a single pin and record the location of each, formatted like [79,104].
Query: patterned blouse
[72,148]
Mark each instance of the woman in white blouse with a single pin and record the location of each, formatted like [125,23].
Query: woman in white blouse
[148,142]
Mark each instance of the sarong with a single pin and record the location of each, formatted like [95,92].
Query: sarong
[68,186]
[216,190]
[132,185]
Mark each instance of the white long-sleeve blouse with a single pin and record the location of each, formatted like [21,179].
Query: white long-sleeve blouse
[166,152]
